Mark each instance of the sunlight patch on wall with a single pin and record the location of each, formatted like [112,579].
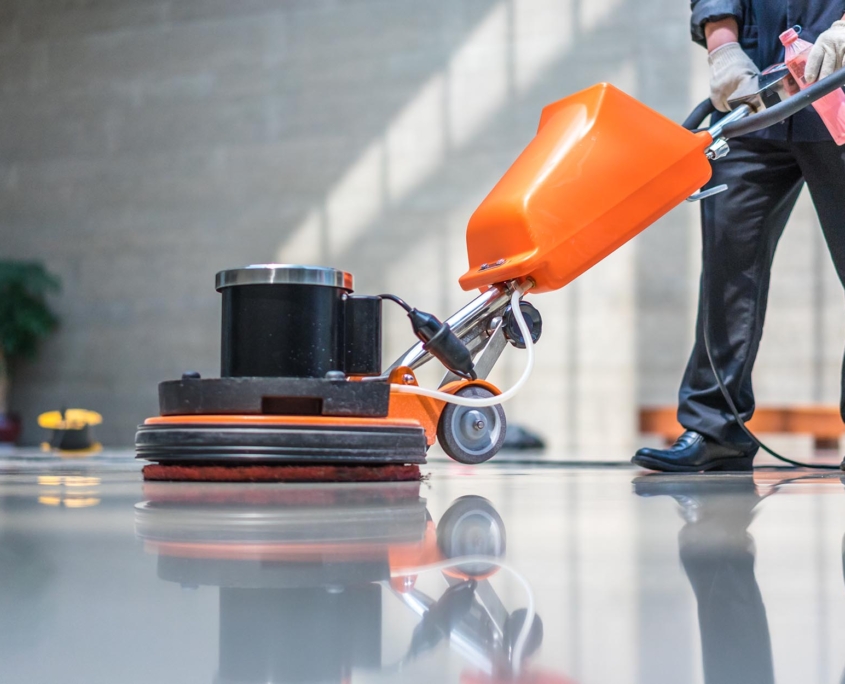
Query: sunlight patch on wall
[542,30]
[416,140]
[304,245]
[478,77]
[356,200]
[594,12]
[512,46]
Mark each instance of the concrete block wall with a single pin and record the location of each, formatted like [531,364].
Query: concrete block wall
[145,145]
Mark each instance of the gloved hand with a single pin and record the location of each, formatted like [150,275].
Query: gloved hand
[731,73]
[826,55]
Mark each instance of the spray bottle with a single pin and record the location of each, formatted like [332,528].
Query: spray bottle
[831,108]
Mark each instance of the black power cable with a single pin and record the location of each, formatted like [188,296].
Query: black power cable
[730,402]
[398,300]
[696,117]
[438,339]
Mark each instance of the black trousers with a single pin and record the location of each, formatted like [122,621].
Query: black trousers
[740,230]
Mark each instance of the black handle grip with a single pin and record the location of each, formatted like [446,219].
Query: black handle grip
[697,115]
[772,115]
[787,108]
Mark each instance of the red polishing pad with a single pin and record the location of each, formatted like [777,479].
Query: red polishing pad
[281,473]
[313,494]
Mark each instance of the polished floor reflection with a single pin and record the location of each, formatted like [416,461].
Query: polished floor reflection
[499,573]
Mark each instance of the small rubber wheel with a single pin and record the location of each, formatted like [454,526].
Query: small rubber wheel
[472,435]
[472,527]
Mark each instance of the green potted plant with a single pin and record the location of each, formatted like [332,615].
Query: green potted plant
[25,319]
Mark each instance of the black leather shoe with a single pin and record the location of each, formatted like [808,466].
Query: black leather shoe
[693,453]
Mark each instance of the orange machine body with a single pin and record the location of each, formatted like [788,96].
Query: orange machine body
[405,410]
[601,168]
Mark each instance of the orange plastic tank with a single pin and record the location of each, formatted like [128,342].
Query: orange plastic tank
[601,168]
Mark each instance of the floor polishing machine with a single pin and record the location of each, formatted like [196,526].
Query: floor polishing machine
[302,393]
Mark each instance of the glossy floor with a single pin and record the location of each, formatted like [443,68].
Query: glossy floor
[633,579]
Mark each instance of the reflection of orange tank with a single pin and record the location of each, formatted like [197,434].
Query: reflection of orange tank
[601,168]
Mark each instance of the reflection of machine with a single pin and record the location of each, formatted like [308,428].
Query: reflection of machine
[302,572]
[70,491]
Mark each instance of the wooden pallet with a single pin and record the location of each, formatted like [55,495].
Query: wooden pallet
[823,423]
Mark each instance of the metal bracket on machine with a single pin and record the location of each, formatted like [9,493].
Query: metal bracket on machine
[702,194]
[470,324]
[480,325]
[488,356]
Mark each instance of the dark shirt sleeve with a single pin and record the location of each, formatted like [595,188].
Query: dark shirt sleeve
[705,11]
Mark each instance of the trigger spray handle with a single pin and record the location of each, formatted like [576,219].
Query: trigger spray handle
[438,340]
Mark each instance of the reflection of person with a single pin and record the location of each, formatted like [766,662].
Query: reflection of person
[718,556]
[764,172]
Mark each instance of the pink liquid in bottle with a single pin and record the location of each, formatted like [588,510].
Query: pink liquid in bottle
[831,108]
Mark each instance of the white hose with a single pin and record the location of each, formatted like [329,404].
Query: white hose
[489,401]
[525,631]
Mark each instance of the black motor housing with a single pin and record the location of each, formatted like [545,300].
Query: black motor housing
[298,322]
[291,338]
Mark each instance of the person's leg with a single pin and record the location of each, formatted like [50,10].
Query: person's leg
[823,166]
[740,230]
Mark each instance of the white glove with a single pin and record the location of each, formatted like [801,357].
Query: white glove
[826,55]
[731,73]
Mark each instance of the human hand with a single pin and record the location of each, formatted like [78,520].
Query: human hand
[731,72]
[827,53]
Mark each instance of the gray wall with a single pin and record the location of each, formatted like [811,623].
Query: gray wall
[146,145]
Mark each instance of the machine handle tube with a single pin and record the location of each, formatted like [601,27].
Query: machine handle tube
[696,117]
[787,108]
[768,117]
